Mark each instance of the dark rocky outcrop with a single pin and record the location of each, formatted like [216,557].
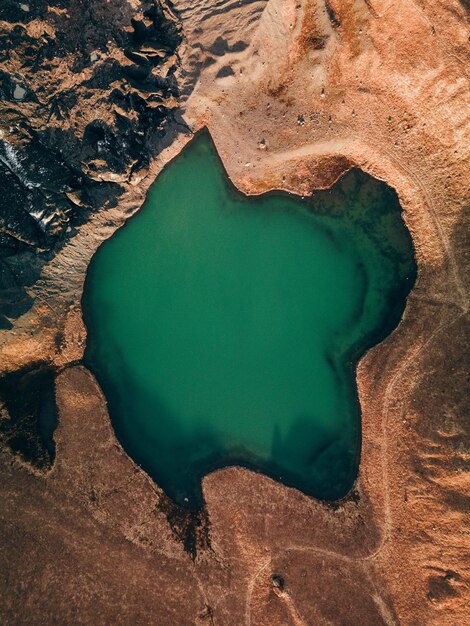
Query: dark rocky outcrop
[88,95]
[28,414]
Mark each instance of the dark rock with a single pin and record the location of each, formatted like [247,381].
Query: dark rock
[60,144]
[225,71]
[278,582]
[332,15]
[28,414]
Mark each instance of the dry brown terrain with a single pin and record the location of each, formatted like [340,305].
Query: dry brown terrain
[293,93]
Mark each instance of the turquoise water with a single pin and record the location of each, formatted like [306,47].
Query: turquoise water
[225,329]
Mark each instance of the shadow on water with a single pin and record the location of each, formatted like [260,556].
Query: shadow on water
[169,459]
[179,461]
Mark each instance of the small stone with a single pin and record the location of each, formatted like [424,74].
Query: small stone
[24,7]
[19,92]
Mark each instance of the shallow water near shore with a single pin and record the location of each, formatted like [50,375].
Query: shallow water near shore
[226,329]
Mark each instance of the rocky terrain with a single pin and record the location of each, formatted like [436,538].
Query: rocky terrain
[88,96]
[95,98]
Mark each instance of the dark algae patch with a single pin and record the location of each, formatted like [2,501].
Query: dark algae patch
[226,329]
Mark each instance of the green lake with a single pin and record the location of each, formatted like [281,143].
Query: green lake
[226,329]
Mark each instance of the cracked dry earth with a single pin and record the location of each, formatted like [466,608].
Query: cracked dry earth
[294,93]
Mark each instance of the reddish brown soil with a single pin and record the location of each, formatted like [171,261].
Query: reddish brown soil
[94,541]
